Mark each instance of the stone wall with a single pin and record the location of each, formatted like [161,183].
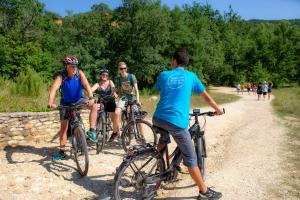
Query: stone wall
[19,128]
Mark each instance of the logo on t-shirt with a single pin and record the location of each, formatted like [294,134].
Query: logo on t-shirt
[176,81]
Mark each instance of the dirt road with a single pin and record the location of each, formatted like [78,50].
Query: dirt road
[243,162]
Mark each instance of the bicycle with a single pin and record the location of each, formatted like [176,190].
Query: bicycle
[104,125]
[135,130]
[78,137]
[143,169]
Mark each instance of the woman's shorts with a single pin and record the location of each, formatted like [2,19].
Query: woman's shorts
[121,104]
[264,93]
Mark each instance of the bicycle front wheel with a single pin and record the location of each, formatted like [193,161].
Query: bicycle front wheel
[101,133]
[139,177]
[201,154]
[138,133]
[80,151]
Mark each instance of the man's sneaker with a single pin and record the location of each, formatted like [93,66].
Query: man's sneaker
[112,137]
[61,155]
[210,194]
[92,136]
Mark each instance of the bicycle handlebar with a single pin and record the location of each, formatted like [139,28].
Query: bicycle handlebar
[209,113]
[71,106]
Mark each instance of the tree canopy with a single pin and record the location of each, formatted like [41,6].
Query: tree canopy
[225,49]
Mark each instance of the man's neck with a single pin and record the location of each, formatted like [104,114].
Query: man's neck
[179,66]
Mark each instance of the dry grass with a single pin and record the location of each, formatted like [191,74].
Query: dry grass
[287,105]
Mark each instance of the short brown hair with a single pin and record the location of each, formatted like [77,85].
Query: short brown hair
[181,56]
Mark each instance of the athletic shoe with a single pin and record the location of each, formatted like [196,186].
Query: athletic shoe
[210,194]
[61,155]
[112,137]
[92,136]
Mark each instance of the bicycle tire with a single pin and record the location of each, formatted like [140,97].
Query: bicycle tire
[130,175]
[80,149]
[201,154]
[131,139]
[101,133]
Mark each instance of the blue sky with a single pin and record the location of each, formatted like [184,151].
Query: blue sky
[247,9]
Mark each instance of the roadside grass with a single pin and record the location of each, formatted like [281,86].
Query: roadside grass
[13,102]
[287,105]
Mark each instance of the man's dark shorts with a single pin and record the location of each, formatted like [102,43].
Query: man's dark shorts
[64,112]
[183,139]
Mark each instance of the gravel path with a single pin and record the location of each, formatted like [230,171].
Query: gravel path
[243,162]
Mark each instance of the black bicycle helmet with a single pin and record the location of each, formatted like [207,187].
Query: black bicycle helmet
[103,70]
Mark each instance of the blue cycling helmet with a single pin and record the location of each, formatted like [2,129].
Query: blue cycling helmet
[103,70]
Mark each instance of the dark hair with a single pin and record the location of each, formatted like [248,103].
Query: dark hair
[181,56]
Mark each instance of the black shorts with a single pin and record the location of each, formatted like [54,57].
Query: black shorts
[264,93]
[269,91]
[64,112]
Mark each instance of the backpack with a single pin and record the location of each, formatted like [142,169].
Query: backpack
[129,77]
[64,76]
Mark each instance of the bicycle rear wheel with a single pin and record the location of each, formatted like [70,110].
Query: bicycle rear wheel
[80,151]
[201,154]
[101,133]
[139,177]
[138,133]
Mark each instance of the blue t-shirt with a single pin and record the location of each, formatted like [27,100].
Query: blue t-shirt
[71,89]
[176,87]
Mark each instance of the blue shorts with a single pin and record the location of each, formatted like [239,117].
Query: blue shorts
[183,139]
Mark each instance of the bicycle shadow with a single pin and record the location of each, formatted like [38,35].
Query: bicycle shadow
[46,153]
[102,188]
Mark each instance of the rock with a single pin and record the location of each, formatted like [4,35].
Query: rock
[18,137]
[12,142]
[12,183]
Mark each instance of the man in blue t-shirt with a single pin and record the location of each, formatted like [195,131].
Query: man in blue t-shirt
[172,114]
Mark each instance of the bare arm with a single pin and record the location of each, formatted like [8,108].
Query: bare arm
[95,87]
[136,89]
[113,88]
[85,84]
[211,102]
[52,93]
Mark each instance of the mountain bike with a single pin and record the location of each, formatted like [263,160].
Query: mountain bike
[104,125]
[78,137]
[136,131]
[143,169]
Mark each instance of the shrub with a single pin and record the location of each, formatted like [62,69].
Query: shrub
[28,84]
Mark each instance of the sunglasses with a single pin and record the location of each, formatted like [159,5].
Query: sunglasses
[123,68]
[104,75]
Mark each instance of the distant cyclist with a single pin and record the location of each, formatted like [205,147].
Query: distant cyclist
[172,114]
[265,89]
[70,81]
[259,90]
[270,87]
